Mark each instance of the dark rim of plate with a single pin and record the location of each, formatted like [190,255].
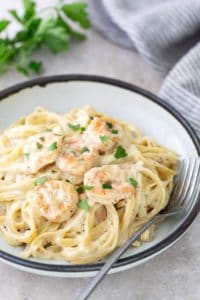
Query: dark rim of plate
[42,82]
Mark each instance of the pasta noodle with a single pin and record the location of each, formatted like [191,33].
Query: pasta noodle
[76,186]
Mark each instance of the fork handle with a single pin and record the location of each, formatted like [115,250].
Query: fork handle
[114,257]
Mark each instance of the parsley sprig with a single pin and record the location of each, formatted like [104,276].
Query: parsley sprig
[53,30]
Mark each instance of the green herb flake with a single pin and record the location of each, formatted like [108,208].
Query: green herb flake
[53,171]
[133,182]
[74,127]
[120,152]
[84,205]
[42,139]
[115,131]
[53,146]
[40,181]
[83,129]
[80,189]
[27,154]
[103,138]
[107,186]
[49,129]
[67,180]
[85,149]
[39,146]
[88,187]
[110,125]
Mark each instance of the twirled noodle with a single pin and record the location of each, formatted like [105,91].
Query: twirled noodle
[76,186]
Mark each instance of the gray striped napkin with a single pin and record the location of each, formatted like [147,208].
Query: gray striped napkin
[166,33]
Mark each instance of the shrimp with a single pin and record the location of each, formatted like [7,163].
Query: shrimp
[110,183]
[41,150]
[104,134]
[76,158]
[56,200]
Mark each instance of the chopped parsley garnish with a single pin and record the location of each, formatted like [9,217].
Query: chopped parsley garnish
[42,139]
[53,146]
[49,129]
[67,180]
[120,152]
[84,205]
[27,154]
[107,186]
[133,182]
[91,117]
[80,189]
[85,149]
[40,180]
[39,146]
[53,171]
[83,129]
[110,125]
[88,187]
[74,127]
[115,131]
[103,138]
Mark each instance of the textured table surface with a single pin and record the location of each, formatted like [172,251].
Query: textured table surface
[175,274]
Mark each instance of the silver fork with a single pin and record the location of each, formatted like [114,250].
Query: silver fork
[185,192]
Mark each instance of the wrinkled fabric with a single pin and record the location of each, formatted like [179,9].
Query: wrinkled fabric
[166,33]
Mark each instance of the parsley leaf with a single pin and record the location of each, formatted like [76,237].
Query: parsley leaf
[15,15]
[77,12]
[120,152]
[88,187]
[133,182]
[53,146]
[74,127]
[3,24]
[49,129]
[84,205]
[107,186]
[103,138]
[40,180]
[80,189]
[110,125]
[39,146]
[83,129]
[85,149]
[115,131]
[35,66]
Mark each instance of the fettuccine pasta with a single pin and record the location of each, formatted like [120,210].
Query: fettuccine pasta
[76,186]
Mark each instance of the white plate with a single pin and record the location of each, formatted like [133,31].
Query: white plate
[120,100]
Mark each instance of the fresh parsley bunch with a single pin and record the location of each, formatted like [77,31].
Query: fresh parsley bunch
[54,31]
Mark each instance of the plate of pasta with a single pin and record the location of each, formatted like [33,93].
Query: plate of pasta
[84,162]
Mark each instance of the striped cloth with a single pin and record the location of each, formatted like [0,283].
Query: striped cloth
[166,33]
